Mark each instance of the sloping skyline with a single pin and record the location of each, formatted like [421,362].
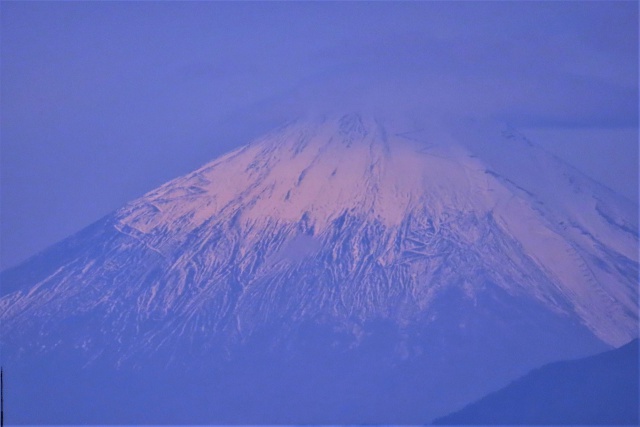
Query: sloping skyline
[102,102]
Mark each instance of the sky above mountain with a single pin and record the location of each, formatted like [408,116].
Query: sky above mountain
[101,102]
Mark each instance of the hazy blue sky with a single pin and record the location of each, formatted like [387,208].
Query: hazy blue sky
[101,102]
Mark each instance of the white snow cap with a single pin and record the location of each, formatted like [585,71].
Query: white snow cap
[312,171]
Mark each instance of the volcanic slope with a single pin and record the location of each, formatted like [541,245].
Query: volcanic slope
[338,270]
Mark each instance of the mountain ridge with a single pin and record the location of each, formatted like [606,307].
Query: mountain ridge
[601,389]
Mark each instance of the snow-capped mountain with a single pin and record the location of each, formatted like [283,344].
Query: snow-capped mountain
[394,272]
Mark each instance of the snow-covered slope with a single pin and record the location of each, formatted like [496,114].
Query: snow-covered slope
[342,221]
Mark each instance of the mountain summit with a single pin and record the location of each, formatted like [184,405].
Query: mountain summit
[342,269]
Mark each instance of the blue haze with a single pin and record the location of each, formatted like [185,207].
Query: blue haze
[101,102]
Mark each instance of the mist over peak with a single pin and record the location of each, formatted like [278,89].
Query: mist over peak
[88,89]
[288,213]
[448,83]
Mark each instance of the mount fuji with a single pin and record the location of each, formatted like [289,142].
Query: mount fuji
[339,270]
